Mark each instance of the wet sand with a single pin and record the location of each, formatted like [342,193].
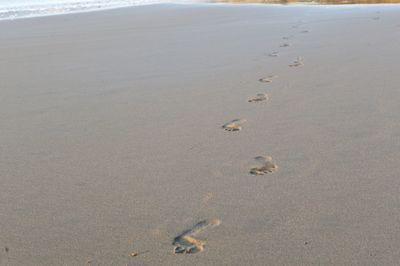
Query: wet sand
[115,147]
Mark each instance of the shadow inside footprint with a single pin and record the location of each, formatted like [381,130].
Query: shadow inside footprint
[267,166]
[259,98]
[234,125]
[186,243]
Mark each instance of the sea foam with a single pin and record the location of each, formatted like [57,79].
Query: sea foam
[13,9]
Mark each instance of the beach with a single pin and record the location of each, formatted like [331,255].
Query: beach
[126,134]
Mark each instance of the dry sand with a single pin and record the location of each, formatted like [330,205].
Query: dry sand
[112,151]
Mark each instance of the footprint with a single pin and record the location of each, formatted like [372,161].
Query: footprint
[274,54]
[259,98]
[284,45]
[185,243]
[234,125]
[267,79]
[298,62]
[267,166]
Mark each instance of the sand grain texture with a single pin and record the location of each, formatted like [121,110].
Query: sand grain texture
[110,138]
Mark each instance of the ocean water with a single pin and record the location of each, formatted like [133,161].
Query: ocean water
[13,9]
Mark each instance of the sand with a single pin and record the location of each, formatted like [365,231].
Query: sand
[112,150]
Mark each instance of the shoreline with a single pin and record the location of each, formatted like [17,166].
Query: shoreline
[84,11]
[216,3]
